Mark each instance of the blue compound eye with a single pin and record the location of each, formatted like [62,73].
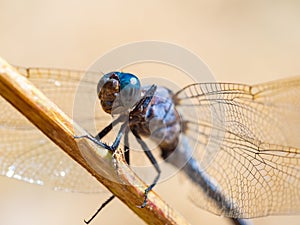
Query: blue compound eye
[118,92]
[130,89]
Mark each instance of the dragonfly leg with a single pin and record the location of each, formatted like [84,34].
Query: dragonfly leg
[96,141]
[101,207]
[126,147]
[108,128]
[154,163]
[105,131]
[121,133]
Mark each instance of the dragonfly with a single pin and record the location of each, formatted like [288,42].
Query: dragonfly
[237,144]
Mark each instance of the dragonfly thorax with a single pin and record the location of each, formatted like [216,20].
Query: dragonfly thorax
[159,120]
[118,92]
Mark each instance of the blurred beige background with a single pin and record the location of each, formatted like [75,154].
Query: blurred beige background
[241,41]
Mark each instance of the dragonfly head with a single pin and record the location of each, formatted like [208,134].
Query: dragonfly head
[118,92]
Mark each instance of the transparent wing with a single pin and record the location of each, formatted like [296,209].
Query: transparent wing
[246,139]
[26,154]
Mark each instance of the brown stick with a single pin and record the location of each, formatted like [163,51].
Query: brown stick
[46,116]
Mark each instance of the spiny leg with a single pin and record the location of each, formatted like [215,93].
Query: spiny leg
[105,131]
[154,163]
[102,133]
[126,147]
[108,128]
[101,207]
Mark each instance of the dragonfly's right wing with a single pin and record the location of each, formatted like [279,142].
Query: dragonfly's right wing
[26,154]
[246,140]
